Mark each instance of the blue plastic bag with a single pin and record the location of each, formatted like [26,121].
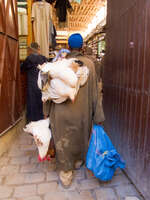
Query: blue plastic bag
[102,158]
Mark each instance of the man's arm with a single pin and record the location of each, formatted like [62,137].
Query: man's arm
[46,108]
[98,113]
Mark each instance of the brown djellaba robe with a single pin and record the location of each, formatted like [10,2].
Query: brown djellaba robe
[71,123]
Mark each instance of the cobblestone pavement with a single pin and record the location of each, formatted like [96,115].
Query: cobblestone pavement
[22,177]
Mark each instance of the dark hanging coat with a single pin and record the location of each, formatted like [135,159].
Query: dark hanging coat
[61,9]
[71,123]
[50,1]
[34,102]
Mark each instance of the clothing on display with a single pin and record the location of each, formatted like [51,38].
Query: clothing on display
[61,9]
[50,1]
[41,17]
[53,37]
[22,24]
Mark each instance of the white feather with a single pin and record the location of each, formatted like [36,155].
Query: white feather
[82,74]
[61,70]
[41,131]
[63,81]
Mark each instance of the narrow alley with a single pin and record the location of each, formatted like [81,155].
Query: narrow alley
[23,177]
[110,44]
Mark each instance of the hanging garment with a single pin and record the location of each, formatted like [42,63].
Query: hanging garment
[22,24]
[54,34]
[61,9]
[50,1]
[19,23]
[41,16]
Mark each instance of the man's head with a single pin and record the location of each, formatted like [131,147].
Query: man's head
[34,47]
[75,41]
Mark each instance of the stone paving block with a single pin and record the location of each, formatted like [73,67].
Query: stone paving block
[15,179]
[34,177]
[16,153]
[56,196]
[5,154]
[79,174]
[19,160]
[5,192]
[4,161]
[131,198]
[47,187]
[118,172]
[126,190]
[74,186]
[14,148]
[26,147]
[7,170]
[75,195]
[51,167]
[31,153]
[25,140]
[89,184]
[31,198]
[89,174]
[22,153]
[52,176]
[34,159]
[29,168]
[38,167]
[86,195]
[116,180]
[46,166]
[8,199]
[1,179]
[25,191]
[105,194]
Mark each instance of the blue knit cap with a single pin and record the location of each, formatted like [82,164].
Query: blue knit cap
[75,41]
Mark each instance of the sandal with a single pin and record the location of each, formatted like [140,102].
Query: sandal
[65,178]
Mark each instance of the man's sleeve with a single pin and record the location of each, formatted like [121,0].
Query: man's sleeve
[25,65]
[98,113]
[46,108]
[33,12]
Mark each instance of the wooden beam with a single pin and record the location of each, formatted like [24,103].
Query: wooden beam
[29,3]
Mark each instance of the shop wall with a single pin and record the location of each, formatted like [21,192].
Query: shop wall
[10,93]
[97,43]
[127,86]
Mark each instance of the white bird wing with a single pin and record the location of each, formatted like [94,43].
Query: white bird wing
[60,100]
[60,87]
[82,74]
[42,139]
[42,136]
[39,81]
[46,67]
